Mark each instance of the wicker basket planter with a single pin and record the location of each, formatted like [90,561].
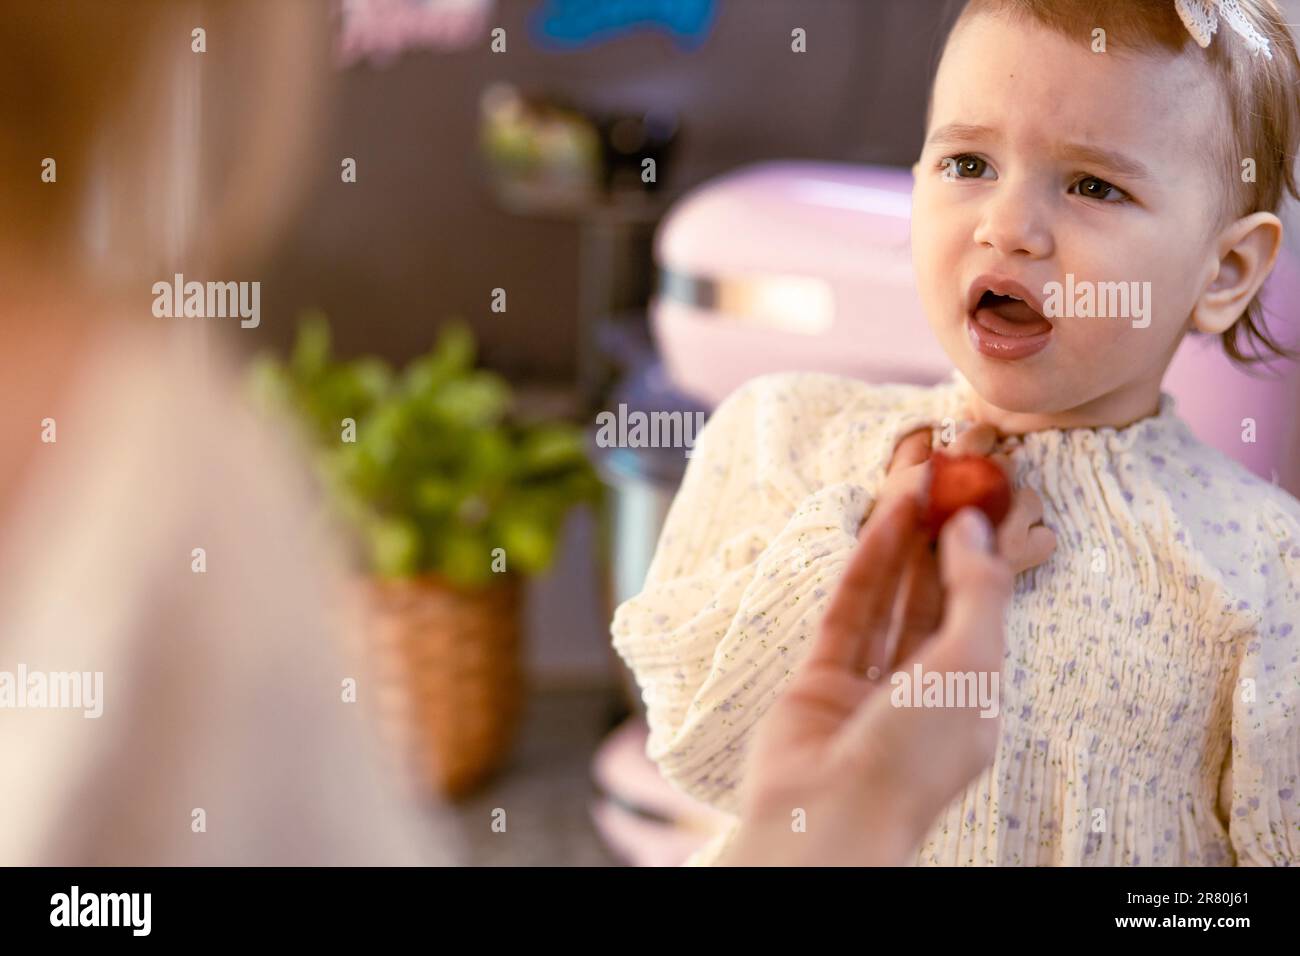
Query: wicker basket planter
[449,667]
[439,471]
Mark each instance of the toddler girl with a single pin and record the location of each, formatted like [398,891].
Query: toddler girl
[1150,693]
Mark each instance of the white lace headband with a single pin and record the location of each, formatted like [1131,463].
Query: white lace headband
[1201,18]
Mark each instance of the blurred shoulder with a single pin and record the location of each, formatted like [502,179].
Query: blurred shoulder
[830,391]
[801,431]
[811,397]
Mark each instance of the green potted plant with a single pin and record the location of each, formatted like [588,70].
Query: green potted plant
[453,498]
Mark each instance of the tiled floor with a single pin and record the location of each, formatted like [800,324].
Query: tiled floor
[545,789]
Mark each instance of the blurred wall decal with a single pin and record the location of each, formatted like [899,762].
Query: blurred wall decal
[573,24]
[379,30]
[546,155]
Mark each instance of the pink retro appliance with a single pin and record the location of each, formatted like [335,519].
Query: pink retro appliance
[807,266]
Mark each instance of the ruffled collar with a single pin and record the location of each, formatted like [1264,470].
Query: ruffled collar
[1151,430]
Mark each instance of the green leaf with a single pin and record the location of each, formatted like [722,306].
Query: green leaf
[473,402]
[311,351]
[466,558]
[488,456]
[455,349]
[268,385]
[529,537]
[437,495]
[394,547]
[548,447]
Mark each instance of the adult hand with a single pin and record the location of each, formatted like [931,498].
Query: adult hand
[837,775]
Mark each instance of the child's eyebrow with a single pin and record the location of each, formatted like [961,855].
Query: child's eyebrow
[1108,158]
[955,134]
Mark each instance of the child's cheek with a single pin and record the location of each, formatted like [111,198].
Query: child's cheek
[926,258]
[1090,346]
[936,244]
[921,224]
[1144,330]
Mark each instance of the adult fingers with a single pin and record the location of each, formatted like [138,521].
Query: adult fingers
[977,585]
[855,629]
[921,603]
[909,482]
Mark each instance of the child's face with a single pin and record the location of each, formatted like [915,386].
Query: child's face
[1045,160]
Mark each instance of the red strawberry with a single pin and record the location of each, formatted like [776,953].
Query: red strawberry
[957,481]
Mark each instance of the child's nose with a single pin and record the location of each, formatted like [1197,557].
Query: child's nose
[1014,223]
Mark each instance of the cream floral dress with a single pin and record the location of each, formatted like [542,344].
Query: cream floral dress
[1151,683]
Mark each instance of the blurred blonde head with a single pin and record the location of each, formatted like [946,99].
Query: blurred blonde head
[166,158]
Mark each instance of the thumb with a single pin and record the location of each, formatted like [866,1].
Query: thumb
[977,585]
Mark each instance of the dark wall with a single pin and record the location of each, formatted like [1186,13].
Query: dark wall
[418,237]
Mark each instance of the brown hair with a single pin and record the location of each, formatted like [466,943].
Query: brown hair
[1262,97]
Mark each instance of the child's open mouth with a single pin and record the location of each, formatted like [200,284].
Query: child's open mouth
[1002,320]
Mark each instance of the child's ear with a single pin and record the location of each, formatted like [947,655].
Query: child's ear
[1247,250]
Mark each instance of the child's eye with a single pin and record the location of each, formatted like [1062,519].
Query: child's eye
[1090,187]
[965,166]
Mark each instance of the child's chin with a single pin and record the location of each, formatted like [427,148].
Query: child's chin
[1011,387]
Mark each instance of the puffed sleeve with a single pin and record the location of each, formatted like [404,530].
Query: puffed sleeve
[744,568]
[1264,820]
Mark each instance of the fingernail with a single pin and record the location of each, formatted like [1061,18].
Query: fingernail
[975,530]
